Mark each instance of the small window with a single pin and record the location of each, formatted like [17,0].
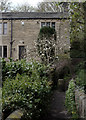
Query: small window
[0,28]
[4,28]
[48,24]
[53,25]
[42,24]
[4,51]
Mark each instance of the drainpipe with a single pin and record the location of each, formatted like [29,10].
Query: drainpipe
[11,42]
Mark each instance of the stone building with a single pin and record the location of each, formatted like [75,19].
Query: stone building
[19,31]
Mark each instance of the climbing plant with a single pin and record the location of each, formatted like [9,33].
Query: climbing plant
[46,44]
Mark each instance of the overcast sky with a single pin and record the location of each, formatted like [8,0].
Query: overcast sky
[31,2]
[35,2]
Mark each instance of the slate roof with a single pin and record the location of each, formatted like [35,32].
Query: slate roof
[33,15]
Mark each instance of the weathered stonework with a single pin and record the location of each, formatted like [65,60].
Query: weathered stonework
[80,98]
[26,34]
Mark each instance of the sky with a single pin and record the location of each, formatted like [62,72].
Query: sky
[31,2]
[35,2]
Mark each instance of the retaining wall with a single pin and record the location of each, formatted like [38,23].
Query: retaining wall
[80,99]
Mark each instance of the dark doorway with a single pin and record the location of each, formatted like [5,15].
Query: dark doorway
[4,51]
[22,52]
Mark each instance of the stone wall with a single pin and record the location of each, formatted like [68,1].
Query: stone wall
[80,99]
[27,34]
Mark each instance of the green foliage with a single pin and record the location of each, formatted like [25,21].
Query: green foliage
[77,30]
[29,92]
[81,75]
[77,21]
[46,44]
[47,31]
[80,79]
[70,99]
[12,68]
[80,66]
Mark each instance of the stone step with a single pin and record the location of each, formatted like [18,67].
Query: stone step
[16,115]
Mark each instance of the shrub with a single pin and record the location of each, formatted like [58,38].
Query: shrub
[12,68]
[29,92]
[80,79]
[70,99]
[46,44]
[80,66]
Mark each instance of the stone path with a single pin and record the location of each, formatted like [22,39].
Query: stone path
[57,109]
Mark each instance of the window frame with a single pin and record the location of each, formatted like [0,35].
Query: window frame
[52,25]
[44,23]
[48,22]
[3,28]
[3,51]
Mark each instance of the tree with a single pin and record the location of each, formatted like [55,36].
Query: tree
[46,44]
[25,7]
[77,29]
[5,5]
[52,7]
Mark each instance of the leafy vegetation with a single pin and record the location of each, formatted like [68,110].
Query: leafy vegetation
[70,99]
[26,88]
[12,68]
[46,44]
[80,79]
[77,30]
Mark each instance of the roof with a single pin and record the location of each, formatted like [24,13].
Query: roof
[33,15]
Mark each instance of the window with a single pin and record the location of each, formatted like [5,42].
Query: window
[4,28]
[3,51]
[0,28]
[48,24]
[53,25]
[42,24]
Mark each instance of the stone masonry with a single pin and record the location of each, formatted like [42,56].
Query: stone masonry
[80,99]
[25,30]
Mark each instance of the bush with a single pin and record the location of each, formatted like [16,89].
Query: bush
[12,68]
[46,44]
[70,99]
[80,66]
[80,79]
[47,32]
[29,92]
